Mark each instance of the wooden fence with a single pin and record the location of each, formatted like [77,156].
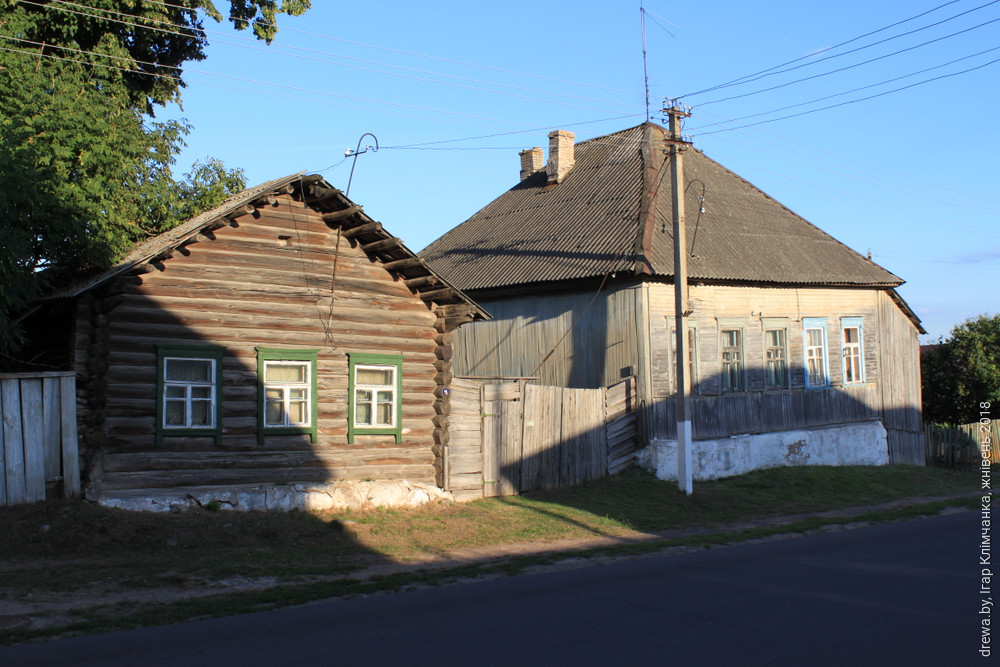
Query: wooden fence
[509,437]
[38,442]
[961,446]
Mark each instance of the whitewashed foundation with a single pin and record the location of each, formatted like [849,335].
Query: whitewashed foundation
[273,498]
[862,443]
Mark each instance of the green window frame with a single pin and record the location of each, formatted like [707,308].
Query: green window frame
[174,391]
[367,401]
[283,401]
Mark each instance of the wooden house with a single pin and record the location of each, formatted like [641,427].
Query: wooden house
[282,350]
[800,348]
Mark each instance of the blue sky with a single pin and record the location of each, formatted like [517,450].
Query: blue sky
[909,175]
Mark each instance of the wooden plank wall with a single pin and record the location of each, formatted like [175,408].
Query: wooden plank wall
[902,411]
[464,455]
[541,437]
[760,412]
[38,436]
[599,351]
[283,279]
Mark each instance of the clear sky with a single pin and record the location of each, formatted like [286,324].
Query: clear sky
[453,90]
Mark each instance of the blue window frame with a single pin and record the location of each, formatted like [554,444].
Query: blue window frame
[814,347]
[853,349]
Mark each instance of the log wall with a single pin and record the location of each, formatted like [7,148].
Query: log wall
[282,279]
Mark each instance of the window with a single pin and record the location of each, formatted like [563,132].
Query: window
[376,388]
[853,350]
[731,349]
[692,355]
[187,391]
[775,359]
[814,343]
[286,392]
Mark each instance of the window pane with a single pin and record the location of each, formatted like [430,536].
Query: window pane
[201,392]
[284,372]
[174,413]
[296,412]
[384,414]
[188,370]
[201,413]
[176,391]
[274,413]
[815,337]
[376,376]
[299,394]
[363,414]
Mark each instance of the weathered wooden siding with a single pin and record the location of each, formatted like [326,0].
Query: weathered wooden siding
[899,356]
[751,305]
[282,280]
[598,351]
[38,436]
[514,437]
[762,412]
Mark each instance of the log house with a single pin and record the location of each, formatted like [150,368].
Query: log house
[281,339]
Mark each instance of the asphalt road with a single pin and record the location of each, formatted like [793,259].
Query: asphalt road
[903,593]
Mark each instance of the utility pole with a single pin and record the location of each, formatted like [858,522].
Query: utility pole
[677,147]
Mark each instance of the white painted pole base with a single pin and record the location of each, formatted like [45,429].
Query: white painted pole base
[685,480]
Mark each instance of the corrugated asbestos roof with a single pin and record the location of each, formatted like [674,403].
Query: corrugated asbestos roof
[592,223]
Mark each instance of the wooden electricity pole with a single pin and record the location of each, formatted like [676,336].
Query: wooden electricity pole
[677,146]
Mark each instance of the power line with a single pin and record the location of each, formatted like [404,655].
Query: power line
[288,50]
[424,55]
[847,67]
[744,79]
[860,99]
[853,90]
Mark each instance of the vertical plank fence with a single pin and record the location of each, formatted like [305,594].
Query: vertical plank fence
[961,446]
[536,437]
[38,439]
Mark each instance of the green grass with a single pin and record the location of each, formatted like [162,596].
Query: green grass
[75,548]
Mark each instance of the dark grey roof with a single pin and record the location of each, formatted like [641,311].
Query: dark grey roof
[594,222]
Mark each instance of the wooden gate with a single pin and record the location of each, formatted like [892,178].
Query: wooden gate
[527,437]
[37,436]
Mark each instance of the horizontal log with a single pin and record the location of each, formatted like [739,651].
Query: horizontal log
[337,216]
[421,281]
[439,294]
[383,244]
[224,477]
[195,460]
[399,264]
[366,228]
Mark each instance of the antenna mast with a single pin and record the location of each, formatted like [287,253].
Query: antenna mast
[645,73]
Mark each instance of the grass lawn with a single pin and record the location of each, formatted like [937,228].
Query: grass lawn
[79,567]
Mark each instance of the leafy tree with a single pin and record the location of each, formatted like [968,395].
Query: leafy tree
[85,170]
[963,371]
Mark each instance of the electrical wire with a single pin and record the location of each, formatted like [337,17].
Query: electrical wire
[848,67]
[860,99]
[853,90]
[287,50]
[744,78]
[425,55]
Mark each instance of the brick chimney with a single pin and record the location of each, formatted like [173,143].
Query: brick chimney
[531,161]
[560,155]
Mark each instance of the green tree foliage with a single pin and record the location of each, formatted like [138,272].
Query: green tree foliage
[963,371]
[85,170]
